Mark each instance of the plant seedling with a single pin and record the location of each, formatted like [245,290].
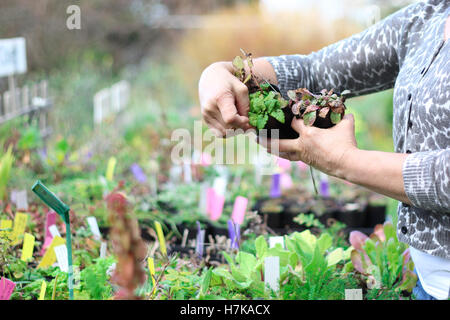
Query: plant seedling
[51,200]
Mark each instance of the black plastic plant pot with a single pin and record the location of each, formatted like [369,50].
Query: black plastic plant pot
[283,130]
[352,218]
[274,220]
[375,215]
[323,218]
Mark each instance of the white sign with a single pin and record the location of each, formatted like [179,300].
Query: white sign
[19,198]
[13,56]
[103,247]
[274,240]
[93,225]
[54,231]
[353,294]
[272,273]
[62,257]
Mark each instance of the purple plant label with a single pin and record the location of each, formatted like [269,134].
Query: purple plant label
[324,186]
[200,241]
[275,190]
[240,206]
[231,233]
[138,173]
[6,288]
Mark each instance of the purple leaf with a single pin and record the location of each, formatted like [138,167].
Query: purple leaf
[357,240]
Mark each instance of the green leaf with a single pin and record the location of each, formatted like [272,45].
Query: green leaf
[309,118]
[262,120]
[270,105]
[324,242]
[265,86]
[278,114]
[238,63]
[248,78]
[253,119]
[261,246]
[335,256]
[335,117]
[292,95]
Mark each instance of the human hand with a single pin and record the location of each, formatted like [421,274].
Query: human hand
[223,98]
[324,149]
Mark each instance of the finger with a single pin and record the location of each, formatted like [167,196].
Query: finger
[229,113]
[279,145]
[242,99]
[298,125]
[215,126]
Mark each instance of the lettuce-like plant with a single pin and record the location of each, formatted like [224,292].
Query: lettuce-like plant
[383,259]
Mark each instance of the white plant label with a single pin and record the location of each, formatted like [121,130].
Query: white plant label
[272,273]
[103,247]
[274,240]
[54,231]
[13,56]
[353,294]
[21,200]
[200,243]
[187,172]
[93,225]
[62,257]
[202,202]
[220,185]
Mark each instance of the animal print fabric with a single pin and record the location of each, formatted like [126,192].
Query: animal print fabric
[405,51]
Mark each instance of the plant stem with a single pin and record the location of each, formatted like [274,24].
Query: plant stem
[313,180]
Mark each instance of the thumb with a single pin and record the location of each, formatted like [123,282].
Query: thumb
[348,121]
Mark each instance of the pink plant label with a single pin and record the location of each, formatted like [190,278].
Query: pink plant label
[284,164]
[6,288]
[210,198]
[286,181]
[50,221]
[205,159]
[240,206]
[217,207]
[302,166]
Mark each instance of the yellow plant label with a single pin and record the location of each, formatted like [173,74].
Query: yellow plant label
[49,257]
[110,168]
[5,224]
[162,241]
[151,268]
[28,246]
[43,289]
[20,223]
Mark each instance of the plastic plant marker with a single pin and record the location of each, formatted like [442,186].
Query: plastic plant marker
[187,172]
[110,168]
[200,240]
[206,159]
[103,247]
[138,173]
[54,231]
[324,186]
[275,190]
[28,246]
[50,220]
[51,200]
[62,258]
[21,201]
[353,294]
[272,273]
[231,232]
[210,198]
[284,164]
[93,225]
[217,207]
[162,241]
[220,185]
[6,288]
[239,209]
[43,290]
[203,198]
[286,181]
[185,237]
[49,257]
[274,240]
[151,269]
[20,223]
[302,166]
[5,224]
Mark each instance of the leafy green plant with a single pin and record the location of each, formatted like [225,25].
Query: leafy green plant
[308,220]
[94,279]
[383,260]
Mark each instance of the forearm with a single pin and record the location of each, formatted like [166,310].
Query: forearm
[375,170]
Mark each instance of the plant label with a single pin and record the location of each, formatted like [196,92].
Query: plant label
[284,164]
[151,269]
[353,294]
[43,290]
[54,231]
[206,159]
[110,168]
[187,172]
[19,198]
[62,257]
[272,273]
[5,224]
[217,207]
[274,240]
[93,225]
[50,220]
[210,198]
[103,247]
[6,288]
[20,223]
[28,246]
[162,241]
[286,181]
[275,190]
[302,166]
[175,174]
[220,185]
[239,209]
[49,257]
[203,198]
[324,185]
[199,243]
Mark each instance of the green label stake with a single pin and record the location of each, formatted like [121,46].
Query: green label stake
[51,200]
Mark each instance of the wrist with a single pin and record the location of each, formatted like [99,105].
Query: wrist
[346,165]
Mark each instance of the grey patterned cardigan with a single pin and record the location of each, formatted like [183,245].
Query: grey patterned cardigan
[405,51]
